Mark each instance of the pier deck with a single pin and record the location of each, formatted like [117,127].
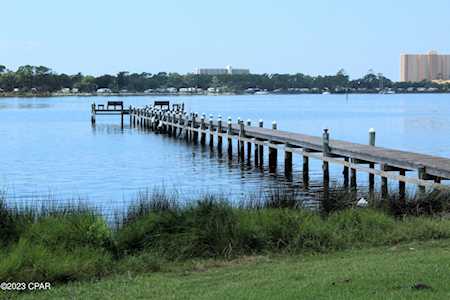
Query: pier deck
[384,162]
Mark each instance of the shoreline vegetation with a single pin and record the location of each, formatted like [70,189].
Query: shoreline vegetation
[76,243]
[40,81]
[202,93]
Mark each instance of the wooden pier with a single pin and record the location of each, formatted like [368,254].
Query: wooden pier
[114,108]
[377,161]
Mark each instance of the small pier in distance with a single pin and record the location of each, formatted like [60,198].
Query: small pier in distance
[111,108]
[252,141]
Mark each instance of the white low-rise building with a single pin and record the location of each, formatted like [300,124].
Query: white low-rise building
[228,70]
[104,91]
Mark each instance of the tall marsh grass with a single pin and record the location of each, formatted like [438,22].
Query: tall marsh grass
[74,243]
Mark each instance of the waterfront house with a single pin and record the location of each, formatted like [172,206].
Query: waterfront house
[103,91]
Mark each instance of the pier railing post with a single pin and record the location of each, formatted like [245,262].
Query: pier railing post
[325,166]
[229,137]
[211,132]
[202,127]
[261,148]
[384,183]
[219,133]
[238,122]
[241,142]
[305,171]
[288,162]
[422,174]
[273,153]
[175,123]
[194,126]
[93,113]
[372,135]
[249,143]
[130,115]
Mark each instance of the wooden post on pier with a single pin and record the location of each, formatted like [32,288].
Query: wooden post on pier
[169,123]
[325,167]
[346,172]
[202,127]
[260,149]
[238,146]
[353,182]
[305,171]
[230,138]
[175,122]
[130,115]
[249,144]
[384,183]
[402,187]
[211,132]
[288,162]
[422,174]
[93,113]
[241,142]
[273,153]
[137,117]
[194,126]
[219,134]
[372,135]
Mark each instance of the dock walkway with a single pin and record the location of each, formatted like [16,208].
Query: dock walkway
[383,162]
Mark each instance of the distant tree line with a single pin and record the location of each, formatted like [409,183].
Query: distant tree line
[42,79]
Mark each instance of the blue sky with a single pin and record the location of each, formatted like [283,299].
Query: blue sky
[267,36]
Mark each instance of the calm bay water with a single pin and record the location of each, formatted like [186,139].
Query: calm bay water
[48,147]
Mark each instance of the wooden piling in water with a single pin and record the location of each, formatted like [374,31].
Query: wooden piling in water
[273,153]
[305,171]
[249,144]
[371,165]
[219,134]
[346,172]
[384,183]
[402,186]
[211,132]
[93,113]
[260,148]
[422,174]
[288,162]
[325,165]
[130,115]
[229,138]
[194,126]
[238,146]
[241,142]
[203,133]
[353,181]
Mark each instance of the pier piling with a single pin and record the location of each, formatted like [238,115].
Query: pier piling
[273,152]
[260,148]
[249,144]
[371,164]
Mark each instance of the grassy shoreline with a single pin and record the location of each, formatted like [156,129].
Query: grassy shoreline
[406,271]
[77,244]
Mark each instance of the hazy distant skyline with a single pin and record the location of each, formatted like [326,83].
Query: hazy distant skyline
[284,36]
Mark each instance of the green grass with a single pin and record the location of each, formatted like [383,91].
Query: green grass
[377,273]
[159,234]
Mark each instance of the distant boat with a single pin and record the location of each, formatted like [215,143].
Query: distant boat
[326,93]
[262,93]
